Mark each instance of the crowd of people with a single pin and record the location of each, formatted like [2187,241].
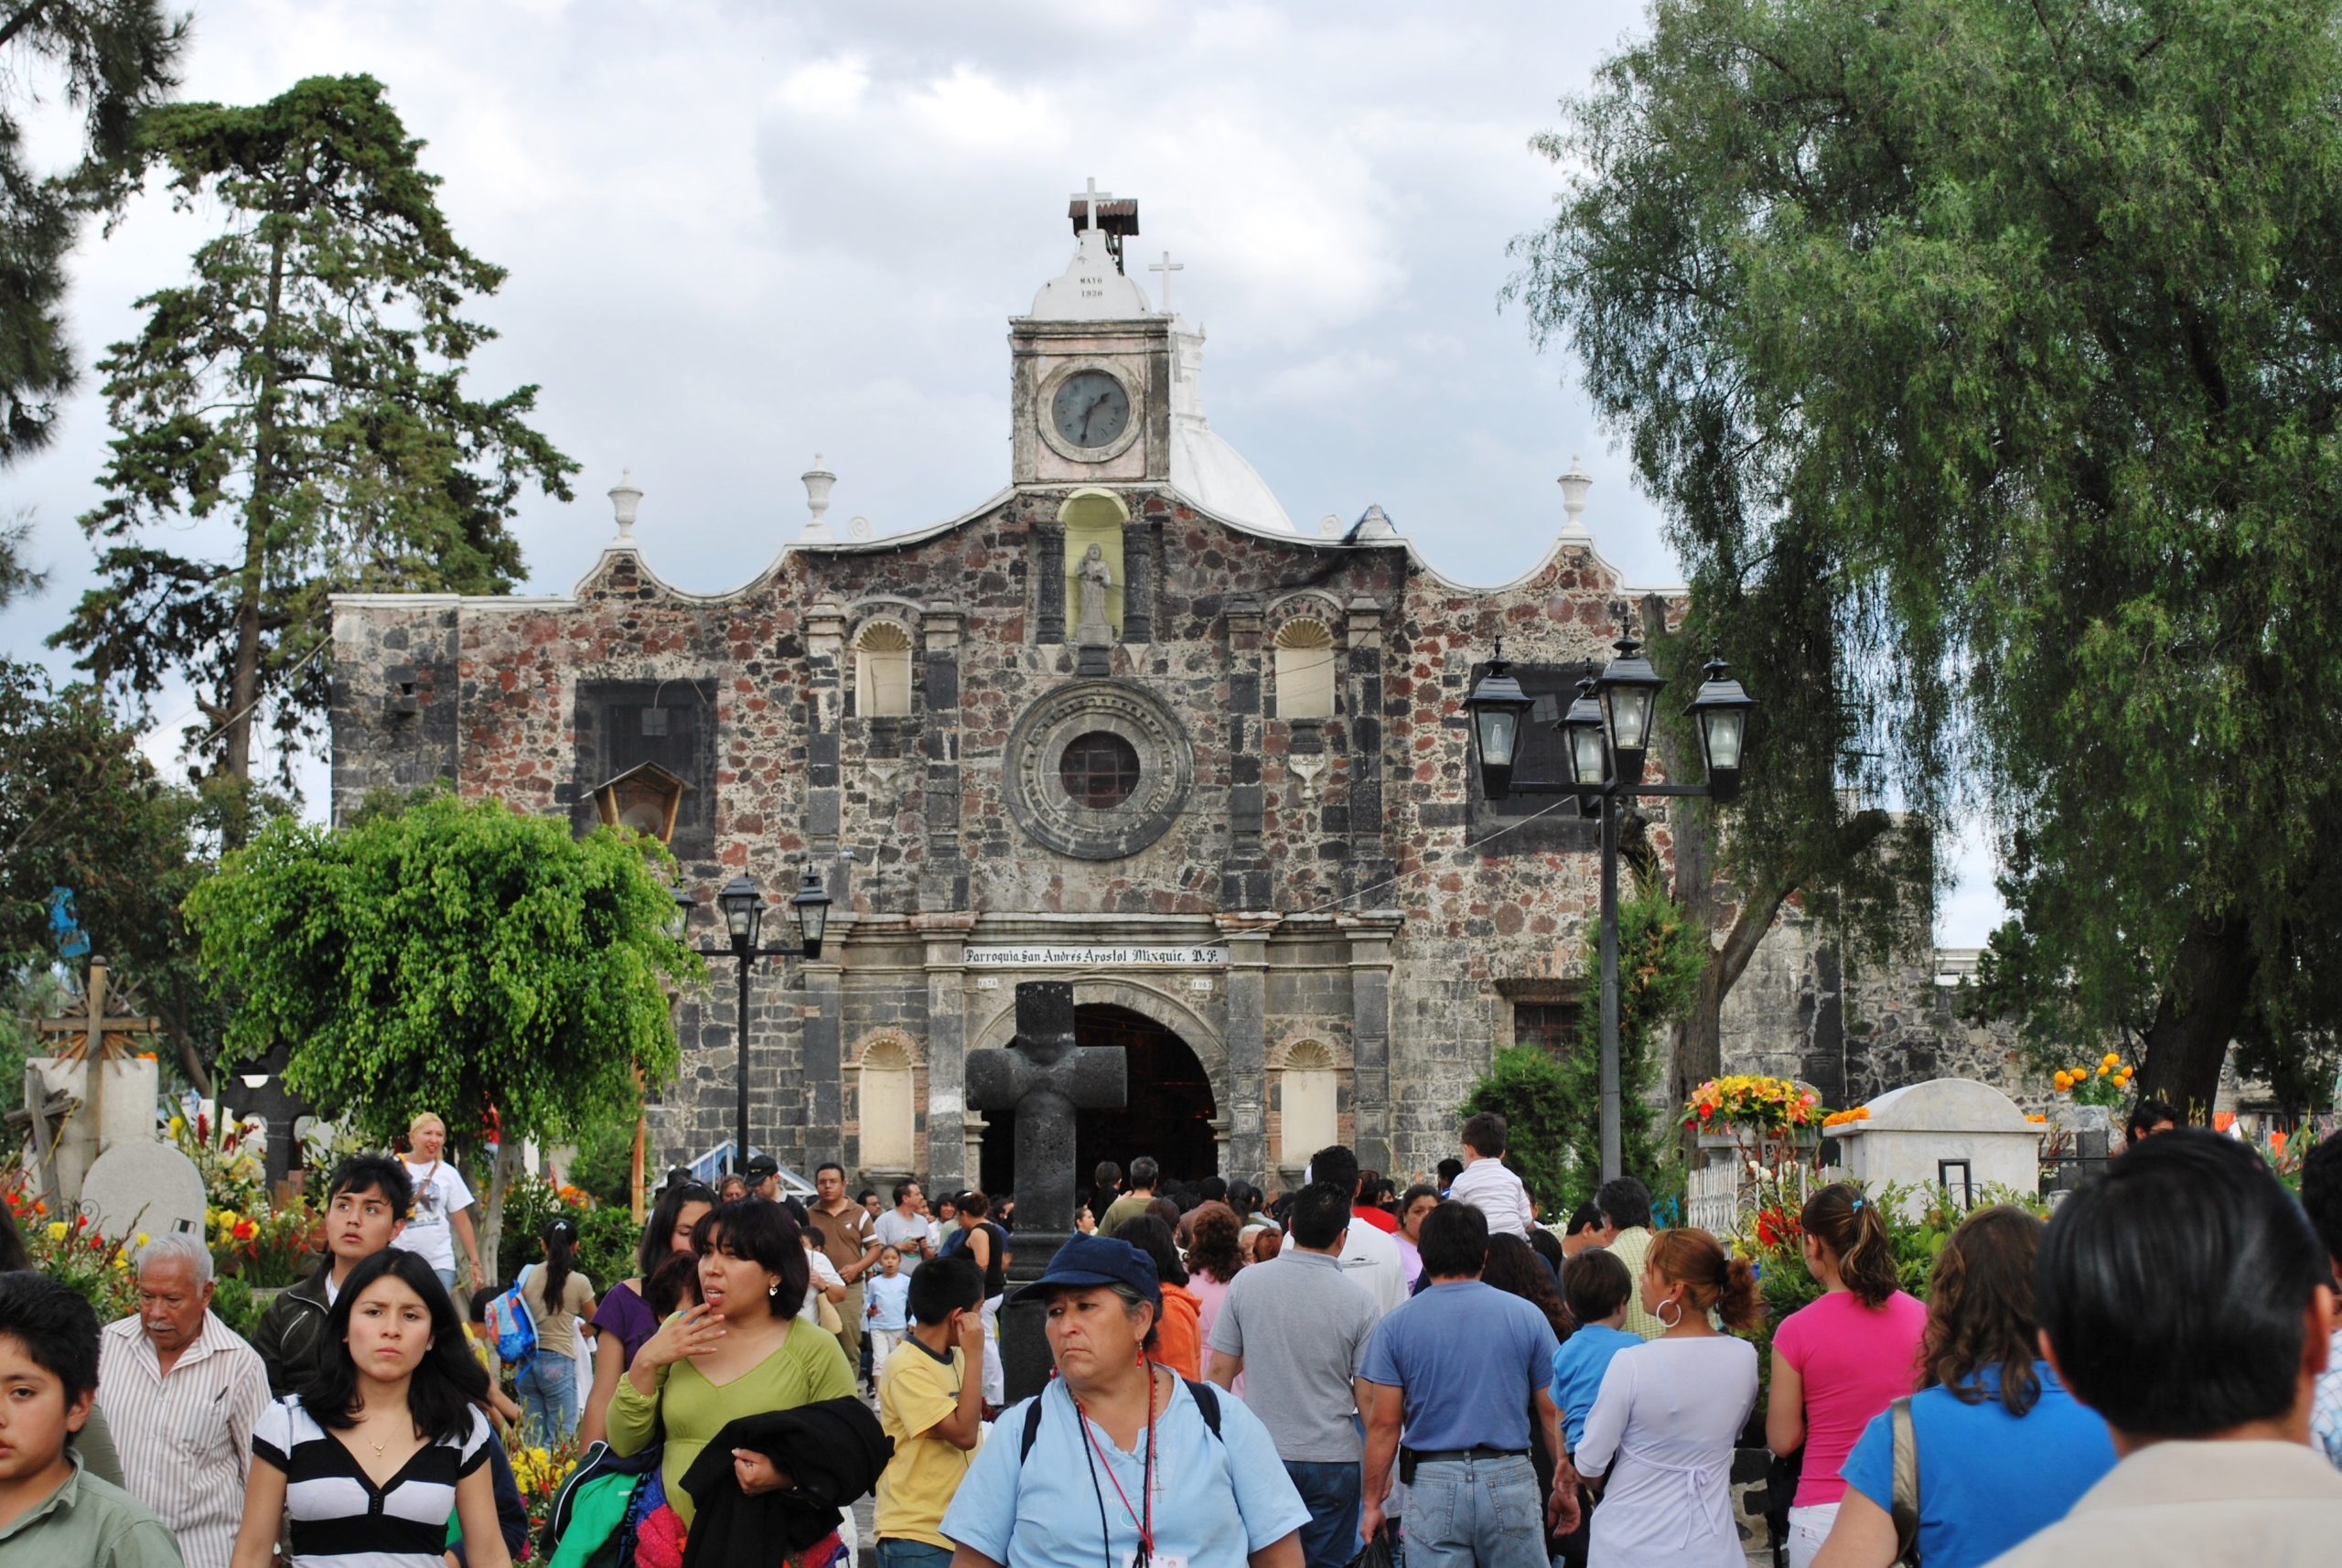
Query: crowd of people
[2152,1376]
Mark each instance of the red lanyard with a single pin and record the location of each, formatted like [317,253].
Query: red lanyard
[1143,1515]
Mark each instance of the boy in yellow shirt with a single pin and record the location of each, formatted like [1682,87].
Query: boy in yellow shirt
[932,1404]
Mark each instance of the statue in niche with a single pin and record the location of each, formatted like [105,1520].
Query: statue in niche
[1094,577]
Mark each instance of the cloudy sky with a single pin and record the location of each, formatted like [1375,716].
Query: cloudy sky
[743,232]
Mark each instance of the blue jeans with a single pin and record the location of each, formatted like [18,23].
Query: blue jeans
[1330,1490]
[912,1554]
[1475,1513]
[548,1391]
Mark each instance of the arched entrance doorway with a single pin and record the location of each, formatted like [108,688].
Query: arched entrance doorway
[1168,1115]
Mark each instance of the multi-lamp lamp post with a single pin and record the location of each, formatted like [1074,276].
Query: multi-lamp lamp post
[744,913]
[1607,736]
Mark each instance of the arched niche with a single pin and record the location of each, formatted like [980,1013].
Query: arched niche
[1093,517]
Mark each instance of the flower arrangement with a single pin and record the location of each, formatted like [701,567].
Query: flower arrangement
[233,1158]
[74,1254]
[539,1471]
[266,1247]
[2106,1086]
[1842,1118]
[1762,1105]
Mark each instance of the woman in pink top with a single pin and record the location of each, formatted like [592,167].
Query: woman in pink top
[1840,1360]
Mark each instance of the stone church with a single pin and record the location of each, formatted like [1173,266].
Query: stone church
[1120,723]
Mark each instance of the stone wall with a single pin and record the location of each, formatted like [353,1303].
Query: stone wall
[1375,901]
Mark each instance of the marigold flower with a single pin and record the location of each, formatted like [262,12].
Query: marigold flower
[57,1230]
[2111,1061]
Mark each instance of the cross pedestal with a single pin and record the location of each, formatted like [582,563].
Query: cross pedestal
[1045,1078]
[95,1064]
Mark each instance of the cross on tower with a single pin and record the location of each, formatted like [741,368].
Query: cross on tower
[1090,198]
[1167,267]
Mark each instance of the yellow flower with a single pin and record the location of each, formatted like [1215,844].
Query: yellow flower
[141,1239]
[57,1230]
[179,1125]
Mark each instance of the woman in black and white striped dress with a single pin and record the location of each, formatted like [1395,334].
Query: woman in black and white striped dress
[386,1444]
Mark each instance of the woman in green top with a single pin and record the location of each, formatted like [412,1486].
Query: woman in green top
[741,1352]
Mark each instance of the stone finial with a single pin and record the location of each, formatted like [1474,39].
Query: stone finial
[1574,484]
[626,499]
[1330,526]
[1376,524]
[819,482]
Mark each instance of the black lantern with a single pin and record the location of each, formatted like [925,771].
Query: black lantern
[1583,744]
[679,923]
[1722,710]
[1497,706]
[744,912]
[813,907]
[1629,691]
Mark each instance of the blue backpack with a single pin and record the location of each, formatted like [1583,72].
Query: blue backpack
[513,1325]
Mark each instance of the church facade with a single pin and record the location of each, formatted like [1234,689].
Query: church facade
[1120,724]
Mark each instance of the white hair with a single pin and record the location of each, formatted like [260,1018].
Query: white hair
[180,1244]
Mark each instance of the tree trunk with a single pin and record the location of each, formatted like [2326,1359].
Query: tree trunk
[1702,1056]
[243,683]
[2202,1008]
[499,1182]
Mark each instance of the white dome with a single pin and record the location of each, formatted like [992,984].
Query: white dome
[1205,468]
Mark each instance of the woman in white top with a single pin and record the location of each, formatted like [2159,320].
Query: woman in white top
[443,1204]
[1663,1428]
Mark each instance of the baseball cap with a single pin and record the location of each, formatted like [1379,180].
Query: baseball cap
[1085,1263]
[759,1167]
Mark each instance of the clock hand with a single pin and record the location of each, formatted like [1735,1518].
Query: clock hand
[1090,413]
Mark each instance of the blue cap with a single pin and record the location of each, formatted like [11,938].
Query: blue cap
[1086,1263]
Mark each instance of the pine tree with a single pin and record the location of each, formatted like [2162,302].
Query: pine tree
[113,61]
[306,385]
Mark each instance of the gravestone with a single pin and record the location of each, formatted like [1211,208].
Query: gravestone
[108,1094]
[144,1187]
[1045,1078]
[1949,1133]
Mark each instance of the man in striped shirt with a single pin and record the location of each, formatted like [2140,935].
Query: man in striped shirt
[181,1391]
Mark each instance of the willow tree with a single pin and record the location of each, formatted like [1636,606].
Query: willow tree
[305,387]
[2013,332]
[454,957]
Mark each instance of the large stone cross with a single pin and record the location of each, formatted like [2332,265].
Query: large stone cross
[1045,1078]
[91,1037]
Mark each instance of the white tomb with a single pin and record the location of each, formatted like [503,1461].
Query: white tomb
[1949,1132]
[147,1188]
[124,1115]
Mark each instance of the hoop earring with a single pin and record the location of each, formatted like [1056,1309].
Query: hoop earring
[1665,1321]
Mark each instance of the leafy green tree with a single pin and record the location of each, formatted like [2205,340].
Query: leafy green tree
[2009,332]
[307,386]
[81,808]
[1552,1106]
[112,61]
[451,956]
[16,577]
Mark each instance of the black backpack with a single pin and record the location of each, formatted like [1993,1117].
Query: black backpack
[1205,1395]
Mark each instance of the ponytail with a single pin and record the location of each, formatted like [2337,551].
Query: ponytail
[561,1250]
[1712,1279]
[1848,1224]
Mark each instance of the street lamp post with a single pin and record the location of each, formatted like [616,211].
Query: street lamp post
[744,909]
[1607,736]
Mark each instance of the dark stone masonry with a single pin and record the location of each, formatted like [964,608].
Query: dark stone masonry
[1246,829]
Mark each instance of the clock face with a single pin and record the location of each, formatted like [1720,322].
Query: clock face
[1090,409]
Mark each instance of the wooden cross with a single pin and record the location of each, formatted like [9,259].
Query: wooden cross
[1092,197]
[1167,267]
[100,1036]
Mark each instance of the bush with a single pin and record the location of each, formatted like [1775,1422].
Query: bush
[606,1236]
[233,1302]
[603,1168]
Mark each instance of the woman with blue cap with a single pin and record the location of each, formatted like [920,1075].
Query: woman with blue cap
[1121,1463]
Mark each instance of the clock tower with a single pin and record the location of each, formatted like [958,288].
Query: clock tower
[1091,369]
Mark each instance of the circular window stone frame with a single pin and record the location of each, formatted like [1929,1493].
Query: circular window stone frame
[1036,795]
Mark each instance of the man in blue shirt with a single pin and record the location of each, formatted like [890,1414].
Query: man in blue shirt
[1448,1382]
